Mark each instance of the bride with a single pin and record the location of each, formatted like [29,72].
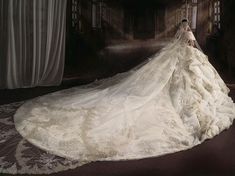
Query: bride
[171,103]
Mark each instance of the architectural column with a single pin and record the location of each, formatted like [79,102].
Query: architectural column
[93,22]
[96,10]
[203,21]
[194,15]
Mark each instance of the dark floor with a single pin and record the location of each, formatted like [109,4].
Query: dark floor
[215,157]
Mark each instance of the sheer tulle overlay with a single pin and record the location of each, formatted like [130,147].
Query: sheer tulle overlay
[172,103]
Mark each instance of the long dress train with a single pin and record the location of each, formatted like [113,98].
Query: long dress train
[172,103]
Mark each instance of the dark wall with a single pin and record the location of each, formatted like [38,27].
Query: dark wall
[127,20]
[228,29]
[203,18]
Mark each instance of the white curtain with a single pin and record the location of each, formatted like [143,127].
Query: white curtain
[32,42]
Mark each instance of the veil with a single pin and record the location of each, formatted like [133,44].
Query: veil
[184,32]
[122,76]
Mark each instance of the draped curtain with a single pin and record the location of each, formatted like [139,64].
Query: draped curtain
[32,42]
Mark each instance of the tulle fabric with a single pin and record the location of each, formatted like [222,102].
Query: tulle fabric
[172,103]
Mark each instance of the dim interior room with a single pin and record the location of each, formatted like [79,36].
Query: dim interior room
[52,45]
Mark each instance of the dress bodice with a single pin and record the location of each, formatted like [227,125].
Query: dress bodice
[187,37]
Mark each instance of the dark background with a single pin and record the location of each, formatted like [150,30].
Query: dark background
[105,37]
[109,36]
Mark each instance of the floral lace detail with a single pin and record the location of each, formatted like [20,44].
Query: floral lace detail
[7,166]
[6,135]
[33,159]
[17,156]
[9,108]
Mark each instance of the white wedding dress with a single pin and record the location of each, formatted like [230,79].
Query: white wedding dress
[172,103]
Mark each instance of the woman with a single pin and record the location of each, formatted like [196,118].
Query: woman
[172,103]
